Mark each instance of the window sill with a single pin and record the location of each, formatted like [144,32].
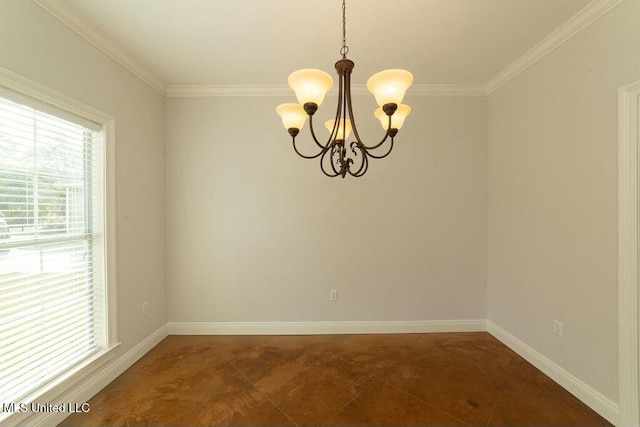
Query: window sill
[59,391]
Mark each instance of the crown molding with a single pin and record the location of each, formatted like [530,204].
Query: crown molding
[447,90]
[570,28]
[204,91]
[71,19]
[210,91]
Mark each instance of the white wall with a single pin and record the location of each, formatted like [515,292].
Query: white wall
[255,233]
[552,183]
[38,47]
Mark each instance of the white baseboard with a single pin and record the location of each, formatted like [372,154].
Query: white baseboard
[323,328]
[90,386]
[587,394]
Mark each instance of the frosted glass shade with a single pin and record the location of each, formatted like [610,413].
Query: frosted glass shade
[292,115]
[338,135]
[310,85]
[389,86]
[397,119]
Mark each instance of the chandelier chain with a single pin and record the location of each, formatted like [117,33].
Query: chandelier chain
[345,49]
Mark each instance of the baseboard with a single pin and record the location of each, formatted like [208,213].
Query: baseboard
[90,386]
[587,394]
[323,328]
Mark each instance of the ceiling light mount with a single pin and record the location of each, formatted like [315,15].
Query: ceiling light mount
[311,86]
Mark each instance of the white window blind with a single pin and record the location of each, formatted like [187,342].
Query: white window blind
[52,286]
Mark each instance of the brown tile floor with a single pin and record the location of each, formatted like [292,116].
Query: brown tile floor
[335,380]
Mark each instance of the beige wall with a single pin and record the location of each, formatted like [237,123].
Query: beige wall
[255,233]
[38,47]
[552,183]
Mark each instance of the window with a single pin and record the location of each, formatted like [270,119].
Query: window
[53,277]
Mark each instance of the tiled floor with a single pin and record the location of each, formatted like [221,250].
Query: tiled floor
[335,380]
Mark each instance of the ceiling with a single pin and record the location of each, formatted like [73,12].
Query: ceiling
[259,42]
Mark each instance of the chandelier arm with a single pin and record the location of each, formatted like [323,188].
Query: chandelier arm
[322,162]
[346,101]
[339,110]
[365,168]
[373,147]
[313,135]
[384,155]
[332,144]
[386,135]
[364,159]
[326,173]
[354,128]
[302,155]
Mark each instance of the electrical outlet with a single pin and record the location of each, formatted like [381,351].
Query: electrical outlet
[333,295]
[557,327]
[145,308]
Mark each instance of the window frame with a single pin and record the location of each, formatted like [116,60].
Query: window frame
[58,390]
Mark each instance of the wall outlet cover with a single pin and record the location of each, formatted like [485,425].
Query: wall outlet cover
[557,327]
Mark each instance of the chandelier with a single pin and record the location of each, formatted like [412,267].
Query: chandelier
[310,87]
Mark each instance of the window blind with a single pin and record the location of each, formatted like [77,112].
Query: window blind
[51,253]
